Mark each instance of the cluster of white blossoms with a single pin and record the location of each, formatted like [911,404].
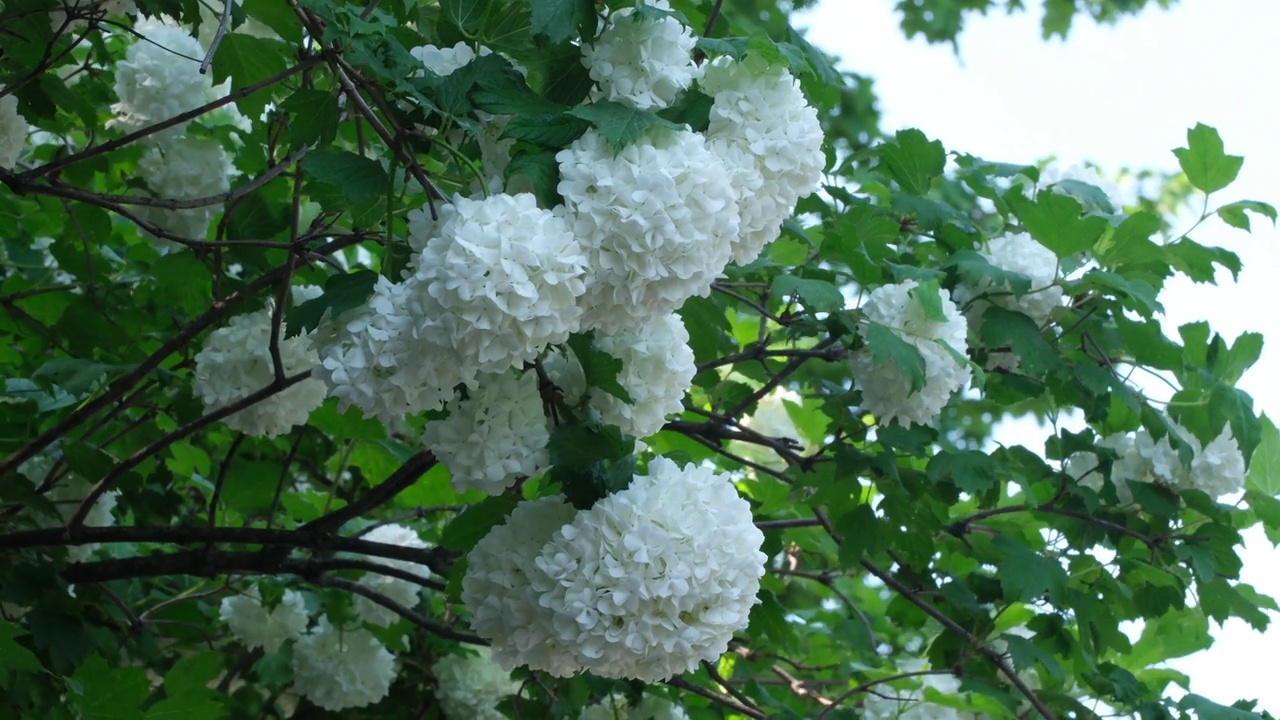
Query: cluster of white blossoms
[655,218]
[1017,253]
[495,436]
[339,668]
[657,370]
[886,390]
[67,493]
[445,61]
[640,62]
[500,278]
[403,591]
[892,704]
[617,707]
[769,139]
[235,362]
[158,79]
[645,584]
[13,130]
[1217,469]
[185,168]
[257,627]
[469,687]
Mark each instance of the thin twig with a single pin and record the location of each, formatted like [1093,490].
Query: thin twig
[223,24]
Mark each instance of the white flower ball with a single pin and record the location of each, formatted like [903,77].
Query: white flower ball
[404,592]
[256,627]
[469,687]
[499,281]
[656,220]
[656,578]
[1218,469]
[495,436]
[444,61]
[185,168]
[643,64]
[67,494]
[505,608]
[339,669]
[769,137]
[372,357]
[886,391]
[616,707]
[657,371]
[159,77]
[13,131]
[1018,253]
[235,362]
[909,704]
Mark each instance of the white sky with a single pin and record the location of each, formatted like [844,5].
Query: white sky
[1118,96]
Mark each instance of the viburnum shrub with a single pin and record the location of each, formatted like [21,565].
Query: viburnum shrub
[574,359]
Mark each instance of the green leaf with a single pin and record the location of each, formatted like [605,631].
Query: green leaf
[475,522]
[183,282]
[1197,260]
[466,15]
[913,160]
[108,693]
[928,296]
[76,376]
[600,368]
[248,60]
[13,655]
[276,15]
[342,292]
[1056,222]
[1236,214]
[1264,468]
[1207,709]
[313,117]
[817,295]
[1003,328]
[541,172]
[341,178]
[861,532]
[887,347]
[618,124]
[1026,655]
[974,269]
[1026,575]
[557,21]
[1206,164]
[970,470]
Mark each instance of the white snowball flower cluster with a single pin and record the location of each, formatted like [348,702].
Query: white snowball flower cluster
[404,592]
[445,61]
[617,707]
[159,77]
[657,370]
[911,705]
[1217,469]
[67,494]
[656,219]
[13,130]
[257,627]
[646,584]
[769,138]
[886,391]
[500,278]
[338,669]
[469,687]
[505,607]
[642,63]
[1018,253]
[185,168]
[369,358]
[235,362]
[493,437]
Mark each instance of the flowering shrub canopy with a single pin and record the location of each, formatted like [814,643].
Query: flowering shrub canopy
[561,358]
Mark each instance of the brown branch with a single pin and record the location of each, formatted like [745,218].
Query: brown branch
[725,700]
[407,474]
